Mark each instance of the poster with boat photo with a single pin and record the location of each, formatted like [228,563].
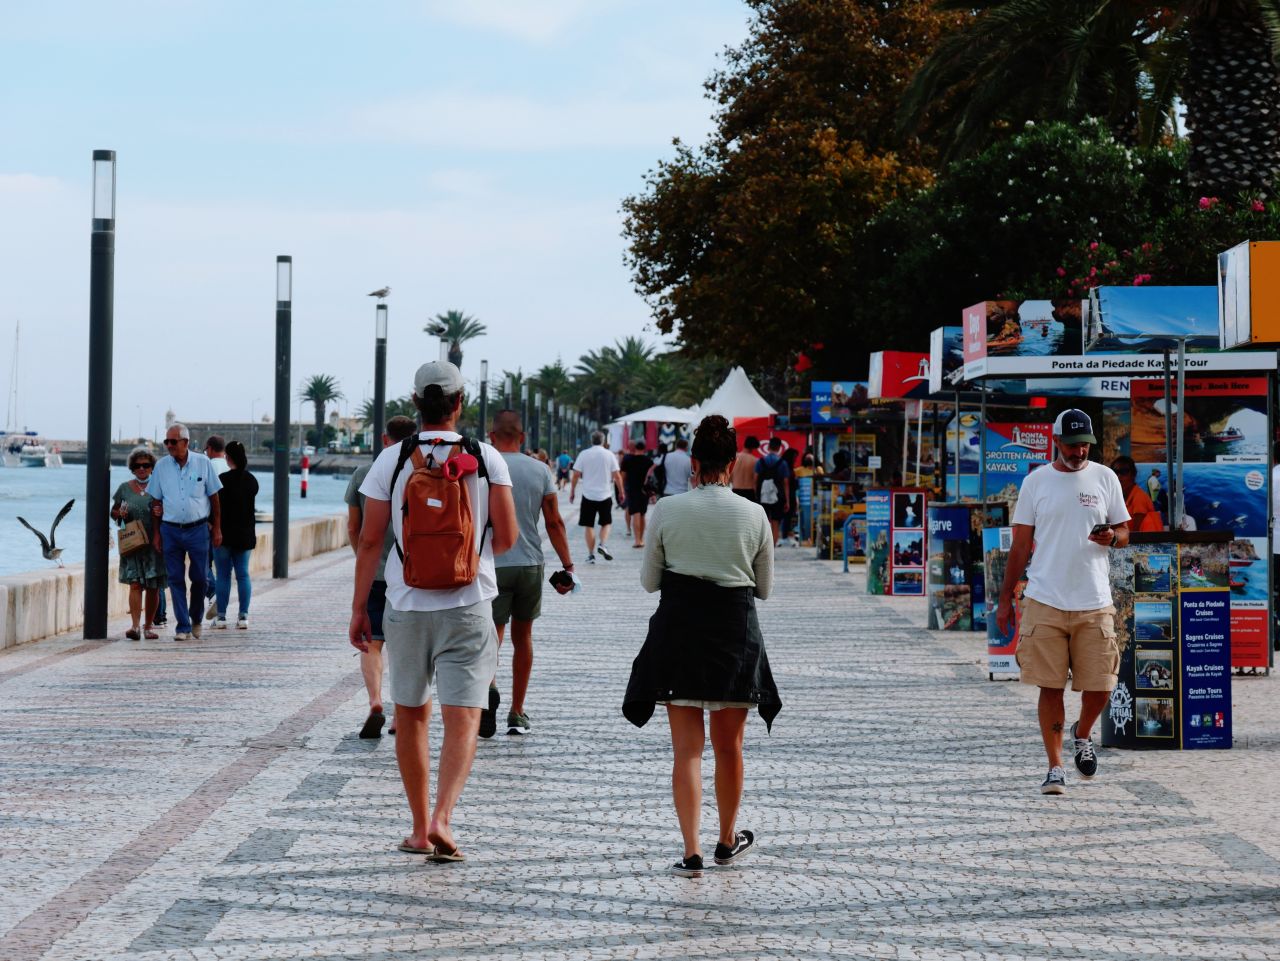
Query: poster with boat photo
[1144,320]
[1224,420]
[1034,328]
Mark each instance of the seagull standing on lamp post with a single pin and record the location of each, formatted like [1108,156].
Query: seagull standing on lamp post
[381,293]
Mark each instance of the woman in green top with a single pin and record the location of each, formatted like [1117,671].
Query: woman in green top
[143,570]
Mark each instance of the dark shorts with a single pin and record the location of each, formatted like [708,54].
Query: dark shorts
[591,511]
[637,501]
[775,511]
[749,493]
[376,604]
[519,594]
[562,475]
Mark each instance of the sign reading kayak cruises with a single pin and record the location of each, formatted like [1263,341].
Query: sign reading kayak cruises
[1206,670]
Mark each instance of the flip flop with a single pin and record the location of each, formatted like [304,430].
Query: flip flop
[373,725]
[408,848]
[443,855]
[133,635]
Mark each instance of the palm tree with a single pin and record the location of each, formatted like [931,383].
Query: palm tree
[1124,61]
[457,328]
[319,389]
[392,408]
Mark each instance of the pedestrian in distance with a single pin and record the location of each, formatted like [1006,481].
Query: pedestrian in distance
[520,569]
[744,469]
[711,555]
[791,516]
[635,468]
[1072,513]
[185,487]
[563,463]
[1143,515]
[451,497]
[679,469]
[239,538]
[215,448]
[773,486]
[143,569]
[396,430]
[597,469]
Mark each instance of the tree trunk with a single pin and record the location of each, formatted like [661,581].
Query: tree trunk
[455,357]
[1233,104]
[320,405]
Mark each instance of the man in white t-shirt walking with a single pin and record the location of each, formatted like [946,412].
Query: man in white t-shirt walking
[1071,514]
[597,469]
[441,635]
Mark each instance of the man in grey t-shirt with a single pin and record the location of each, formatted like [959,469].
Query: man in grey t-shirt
[679,469]
[398,428]
[520,569]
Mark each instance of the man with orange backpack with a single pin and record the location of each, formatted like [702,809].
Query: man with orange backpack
[448,500]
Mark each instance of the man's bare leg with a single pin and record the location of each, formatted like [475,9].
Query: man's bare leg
[591,540]
[1052,717]
[414,758]
[461,725]
[1092,704]
[371,668]
[604,533]
[521,662]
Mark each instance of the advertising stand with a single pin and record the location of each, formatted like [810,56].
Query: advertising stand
[956,585]
[896,541]
[1173,626]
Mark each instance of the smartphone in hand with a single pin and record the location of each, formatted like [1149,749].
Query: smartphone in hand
[1099,529]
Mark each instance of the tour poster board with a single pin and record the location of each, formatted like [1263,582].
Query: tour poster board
[896,541]
[956,582]
[1226,484]
[836,501]
[1173,627]
[1002,647]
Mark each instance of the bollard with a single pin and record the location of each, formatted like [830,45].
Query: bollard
[306,466]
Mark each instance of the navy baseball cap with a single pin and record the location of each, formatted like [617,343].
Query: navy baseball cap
[1074,427]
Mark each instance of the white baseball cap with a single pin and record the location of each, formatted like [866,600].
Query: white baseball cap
[437,373]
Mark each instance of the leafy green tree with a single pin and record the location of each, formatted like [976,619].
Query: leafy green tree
[393,408]
[1123,61]
[457,328]
[319,390]
[743,247]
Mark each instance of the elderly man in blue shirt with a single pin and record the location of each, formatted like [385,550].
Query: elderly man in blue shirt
[185,487]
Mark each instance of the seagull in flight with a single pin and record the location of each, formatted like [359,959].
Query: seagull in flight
[48,548]
[381,293]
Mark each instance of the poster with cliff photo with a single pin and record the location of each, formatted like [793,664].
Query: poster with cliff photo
[1034,328]
[1224,420]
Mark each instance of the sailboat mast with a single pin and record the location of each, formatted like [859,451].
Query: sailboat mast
[11,408]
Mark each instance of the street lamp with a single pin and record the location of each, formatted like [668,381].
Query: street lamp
[102,260]
[444,349]
[484,397]
[506,394]
[253,425]
[537,419]
[524,405]
[379,376]
[280,452]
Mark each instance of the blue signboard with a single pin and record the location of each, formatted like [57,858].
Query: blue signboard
[836,401]
[879,524]
[1206,669]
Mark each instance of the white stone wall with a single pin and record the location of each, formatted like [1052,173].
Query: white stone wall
[44,603]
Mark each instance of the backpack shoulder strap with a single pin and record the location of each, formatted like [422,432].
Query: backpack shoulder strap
[472,447]
[408,447]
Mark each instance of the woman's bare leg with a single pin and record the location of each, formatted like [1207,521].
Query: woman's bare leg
[687,739]
[727,727]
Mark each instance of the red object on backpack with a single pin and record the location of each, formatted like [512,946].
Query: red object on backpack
[437,531]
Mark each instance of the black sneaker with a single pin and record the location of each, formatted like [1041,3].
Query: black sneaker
[489,716]
[373,726]
[743,842]
[1086,760]
[604,552]
[160,622]
[690,867]
[1055,782]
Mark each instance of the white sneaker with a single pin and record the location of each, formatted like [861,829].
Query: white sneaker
[591,558]
[242,624]
[180,636]
[220,624]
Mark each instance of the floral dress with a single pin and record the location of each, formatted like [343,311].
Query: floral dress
[145,567]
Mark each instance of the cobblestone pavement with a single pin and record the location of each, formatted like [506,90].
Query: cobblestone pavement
[211,800]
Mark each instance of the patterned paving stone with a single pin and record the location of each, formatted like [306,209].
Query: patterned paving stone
[163,801]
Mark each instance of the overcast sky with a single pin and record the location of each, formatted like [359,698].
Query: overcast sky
[472,154]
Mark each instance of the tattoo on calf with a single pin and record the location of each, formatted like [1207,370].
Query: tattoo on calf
[1058,728]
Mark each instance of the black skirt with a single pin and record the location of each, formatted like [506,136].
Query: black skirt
[704,644]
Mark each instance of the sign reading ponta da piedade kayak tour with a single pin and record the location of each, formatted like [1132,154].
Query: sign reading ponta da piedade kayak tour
[1172,622]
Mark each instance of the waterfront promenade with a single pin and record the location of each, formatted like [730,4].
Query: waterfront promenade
[211,800]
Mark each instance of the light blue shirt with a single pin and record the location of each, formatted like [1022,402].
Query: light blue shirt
[185,491]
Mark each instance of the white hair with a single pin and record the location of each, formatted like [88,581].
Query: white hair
[182,430]
[597,438]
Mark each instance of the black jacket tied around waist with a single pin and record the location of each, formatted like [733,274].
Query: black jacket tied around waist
[704,644]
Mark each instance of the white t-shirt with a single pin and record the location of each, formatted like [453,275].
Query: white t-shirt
[679,470]
[596,464]
[1068,571]
[377,486]
[220,465]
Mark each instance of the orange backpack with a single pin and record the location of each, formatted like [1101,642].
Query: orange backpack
[437,528]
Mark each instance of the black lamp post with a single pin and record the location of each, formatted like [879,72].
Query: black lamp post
[524,405]
[280,472]
[379,377]
[537,419]
[484,399]
[97,494]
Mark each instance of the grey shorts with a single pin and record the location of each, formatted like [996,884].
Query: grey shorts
[458,648]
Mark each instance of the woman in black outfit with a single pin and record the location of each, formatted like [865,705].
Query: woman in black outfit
[239,537]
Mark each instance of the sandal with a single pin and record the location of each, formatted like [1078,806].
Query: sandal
[132,634]
[150,635]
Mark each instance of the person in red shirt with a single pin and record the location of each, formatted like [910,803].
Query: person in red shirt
[1144,513]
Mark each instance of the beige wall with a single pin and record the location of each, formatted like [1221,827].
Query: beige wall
[45,603]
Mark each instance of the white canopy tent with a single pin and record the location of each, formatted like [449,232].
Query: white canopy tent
[662,413]
[734,398]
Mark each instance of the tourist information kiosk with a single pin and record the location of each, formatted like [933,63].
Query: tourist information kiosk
[896,541]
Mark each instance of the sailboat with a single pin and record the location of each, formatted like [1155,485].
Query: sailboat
[21,447]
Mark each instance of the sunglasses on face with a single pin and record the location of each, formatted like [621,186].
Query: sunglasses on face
[173,443]
[138,467]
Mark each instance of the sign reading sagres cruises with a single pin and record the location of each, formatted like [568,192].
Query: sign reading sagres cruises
[1093,365]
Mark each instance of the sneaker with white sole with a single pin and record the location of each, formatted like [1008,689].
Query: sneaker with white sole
[743,842]
[242,624]
[1086,760]
[591,558]
[604,552]
[220,624]
[518,723]
[1055,782]
[690,867]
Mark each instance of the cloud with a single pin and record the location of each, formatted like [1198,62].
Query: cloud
[536,22]
[515,123]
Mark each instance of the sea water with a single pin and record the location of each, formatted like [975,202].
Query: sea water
[38,493]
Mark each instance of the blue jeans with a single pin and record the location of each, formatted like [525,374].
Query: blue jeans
[179,545]
[225,561]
